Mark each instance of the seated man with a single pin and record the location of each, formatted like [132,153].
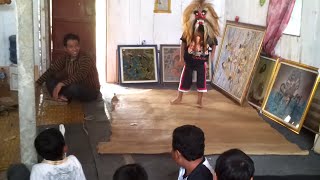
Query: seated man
[234,165]
[74,75]
[130,172]
[188,152]
[50,145]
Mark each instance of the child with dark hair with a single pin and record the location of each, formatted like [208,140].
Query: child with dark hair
[18,172]
[130,172]
[51,146]
[188,152]
[234,165]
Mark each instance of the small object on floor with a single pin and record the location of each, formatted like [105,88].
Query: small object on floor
[114,98]
[10,138]
[62,129]
[114,102]
[133,124]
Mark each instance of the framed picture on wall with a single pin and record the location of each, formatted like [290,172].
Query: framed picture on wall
[162,6]
[239,52]
[171,67]
[289,96]
[261,81]
[138,64]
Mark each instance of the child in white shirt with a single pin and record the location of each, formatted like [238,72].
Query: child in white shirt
[51,146]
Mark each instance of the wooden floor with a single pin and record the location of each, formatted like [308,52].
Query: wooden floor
[143,121]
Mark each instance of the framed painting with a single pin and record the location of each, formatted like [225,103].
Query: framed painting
[289,95]
[261,81]
[162,6]
[171,68]
[312,121]
[138,64]
[239,52]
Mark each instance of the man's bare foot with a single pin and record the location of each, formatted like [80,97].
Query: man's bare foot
[63,99]
[176,101]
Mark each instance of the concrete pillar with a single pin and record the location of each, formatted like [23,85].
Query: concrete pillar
[25,55]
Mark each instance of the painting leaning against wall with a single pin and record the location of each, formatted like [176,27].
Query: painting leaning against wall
[238,55]
[290,93]
[260,81]
[171,67]
[138,64]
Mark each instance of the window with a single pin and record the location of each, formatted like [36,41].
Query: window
[294,24]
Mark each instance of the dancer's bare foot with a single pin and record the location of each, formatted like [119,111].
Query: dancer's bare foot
[199,104]
[176,101]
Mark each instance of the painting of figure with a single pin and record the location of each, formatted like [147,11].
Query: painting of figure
[138,64]
[238,55]
[290,94]
[171,67]
[260,81]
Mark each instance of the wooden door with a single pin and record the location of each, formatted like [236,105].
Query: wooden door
[73,16]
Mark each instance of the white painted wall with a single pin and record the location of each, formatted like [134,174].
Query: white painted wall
[7,28]
[304,49]
[131,22]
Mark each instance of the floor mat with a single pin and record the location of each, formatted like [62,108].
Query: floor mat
[143,121]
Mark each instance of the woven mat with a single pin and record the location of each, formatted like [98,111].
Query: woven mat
[48,113]
[9,140]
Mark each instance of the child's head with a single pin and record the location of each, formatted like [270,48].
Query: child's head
[188,142]
[50,144]
[130,172]
[234,165]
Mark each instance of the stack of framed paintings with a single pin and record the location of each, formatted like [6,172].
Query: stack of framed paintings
[238,55]
[289,95]
[171,67]
[138,64]
[261,81]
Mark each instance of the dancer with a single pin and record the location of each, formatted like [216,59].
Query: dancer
[200,29]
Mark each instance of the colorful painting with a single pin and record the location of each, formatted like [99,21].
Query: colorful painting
[290,93]
[171,67]
[261,81]
[238,55]
[138,64]
[162,6]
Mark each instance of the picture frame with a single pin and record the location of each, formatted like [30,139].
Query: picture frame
[289,95]
[162,6]
[238,55]
[138,64]
[261,81]
[312,121]
[171,68]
